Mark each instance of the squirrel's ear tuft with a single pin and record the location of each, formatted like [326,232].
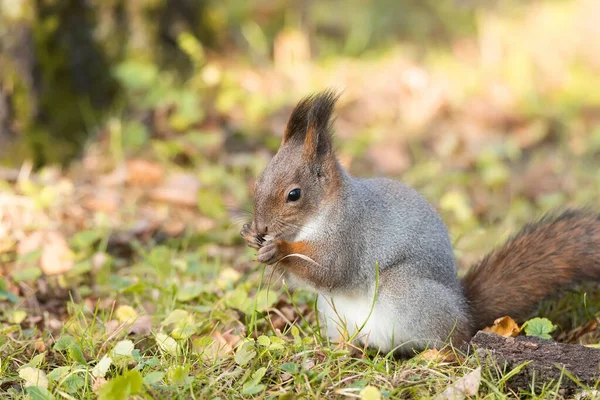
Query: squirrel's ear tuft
[295,129]
[319,125]
[310,123]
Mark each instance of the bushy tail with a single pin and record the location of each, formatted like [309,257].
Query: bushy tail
[544,257]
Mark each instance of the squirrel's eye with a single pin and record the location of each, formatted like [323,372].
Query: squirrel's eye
[294,195]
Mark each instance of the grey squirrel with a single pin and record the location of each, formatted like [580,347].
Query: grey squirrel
[379,256]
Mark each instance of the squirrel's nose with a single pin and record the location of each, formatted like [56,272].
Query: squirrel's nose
[261,228]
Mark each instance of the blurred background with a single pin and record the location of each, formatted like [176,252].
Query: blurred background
[131,132]
[490,108]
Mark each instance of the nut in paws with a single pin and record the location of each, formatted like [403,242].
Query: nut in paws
[253,239]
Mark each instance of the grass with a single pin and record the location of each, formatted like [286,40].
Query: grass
[190,315]
[124,274]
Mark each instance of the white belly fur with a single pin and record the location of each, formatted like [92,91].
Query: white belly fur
[342,316]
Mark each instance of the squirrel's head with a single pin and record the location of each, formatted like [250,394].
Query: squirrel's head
[304,175]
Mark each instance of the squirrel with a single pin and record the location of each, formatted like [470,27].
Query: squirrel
[379,256]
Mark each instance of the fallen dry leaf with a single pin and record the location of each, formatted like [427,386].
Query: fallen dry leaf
[504,326]
[39,346]
[141,326]
[103,200]
[439,355]
[223,344]
[574,335]
[143,172]
[56,257]
[30,243]
[97,383]
[468,385]
[111,326]
[180,189]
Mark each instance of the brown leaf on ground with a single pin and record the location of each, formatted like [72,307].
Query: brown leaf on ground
[178,189]
[141,326]
[223,344]
[144,173]
[31,243]
[281,316]
[97,383]
[56,258]
[574,335]
[104,200]
[111,326]
[504,326]
[39,346]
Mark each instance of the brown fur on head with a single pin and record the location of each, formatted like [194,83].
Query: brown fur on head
[306,162]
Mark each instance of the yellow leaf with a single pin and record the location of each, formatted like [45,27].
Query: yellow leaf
[167,344]
[438,356]
[370,393]
[34,377]
[126,314]
[504,326]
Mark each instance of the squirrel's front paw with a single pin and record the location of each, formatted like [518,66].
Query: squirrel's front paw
[252,239]
[269,253]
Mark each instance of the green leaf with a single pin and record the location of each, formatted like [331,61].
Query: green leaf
[184,324]
[76,354]
[37,360]
[184,329]
[254,386]
[136,75]
[539,327]
[187,110]
[5,294]
[31,257]
[245,353]
[175,316]
[58,373]
[265,299]
[121,387]
[178,374]
[85,239]
[135,135]
[64,343]
[189,293]
[238,299]
[39,393]
[154,377]
[73,383]
[291,368]
[264,341]
[252,389]
[27,274]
